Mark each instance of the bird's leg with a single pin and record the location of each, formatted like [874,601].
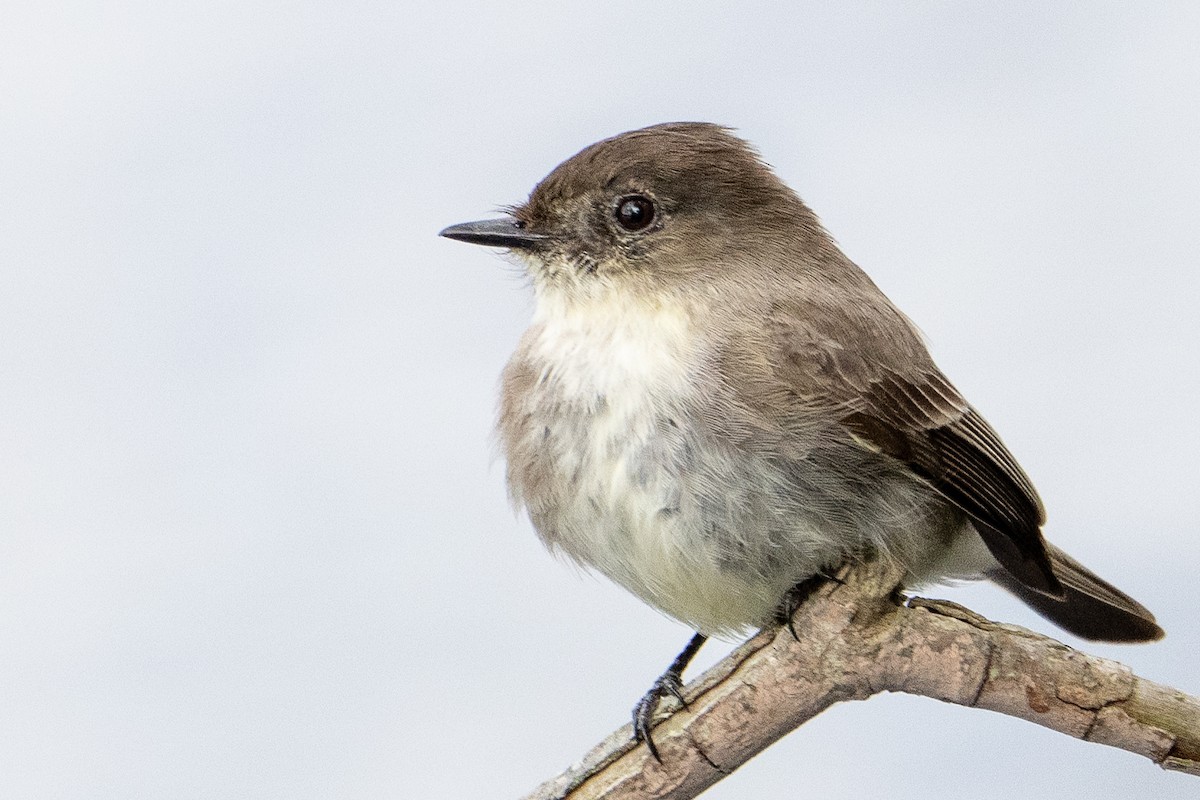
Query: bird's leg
[670,683]
[797,596]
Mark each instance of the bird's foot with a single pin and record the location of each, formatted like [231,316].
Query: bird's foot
[669,684]
[797,596]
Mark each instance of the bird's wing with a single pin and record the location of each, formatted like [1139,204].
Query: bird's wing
[875,373]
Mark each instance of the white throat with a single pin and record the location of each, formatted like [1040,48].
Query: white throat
[614,348]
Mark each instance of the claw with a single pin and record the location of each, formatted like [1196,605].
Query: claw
[643,716]
[797,596]
[669,684]
[674,685]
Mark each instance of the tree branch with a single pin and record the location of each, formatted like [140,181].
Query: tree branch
[853,644]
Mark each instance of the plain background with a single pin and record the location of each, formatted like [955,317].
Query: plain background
[254,542]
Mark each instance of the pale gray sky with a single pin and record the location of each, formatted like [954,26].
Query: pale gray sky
[253,539]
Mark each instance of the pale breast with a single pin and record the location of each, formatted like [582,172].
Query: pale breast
[625,462]
[595,427]
[590,412]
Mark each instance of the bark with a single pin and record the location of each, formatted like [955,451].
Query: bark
[858,639]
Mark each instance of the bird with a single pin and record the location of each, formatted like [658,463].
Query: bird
[713,406]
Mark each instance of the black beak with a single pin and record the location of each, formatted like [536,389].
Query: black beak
[506,232]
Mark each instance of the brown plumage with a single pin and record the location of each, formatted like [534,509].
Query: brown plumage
[714,403]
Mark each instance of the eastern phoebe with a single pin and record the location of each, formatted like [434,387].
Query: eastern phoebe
[714,405]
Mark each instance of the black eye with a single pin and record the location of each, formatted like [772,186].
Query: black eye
[634,213]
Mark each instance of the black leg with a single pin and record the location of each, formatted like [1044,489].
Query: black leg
[669,683]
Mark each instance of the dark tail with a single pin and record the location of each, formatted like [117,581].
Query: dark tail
[1092,608]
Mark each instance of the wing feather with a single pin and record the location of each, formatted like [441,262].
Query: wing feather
[893,399]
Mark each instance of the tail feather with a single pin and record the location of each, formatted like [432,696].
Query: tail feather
[1092,608]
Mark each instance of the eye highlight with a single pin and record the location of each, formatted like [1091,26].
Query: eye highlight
[634,213]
